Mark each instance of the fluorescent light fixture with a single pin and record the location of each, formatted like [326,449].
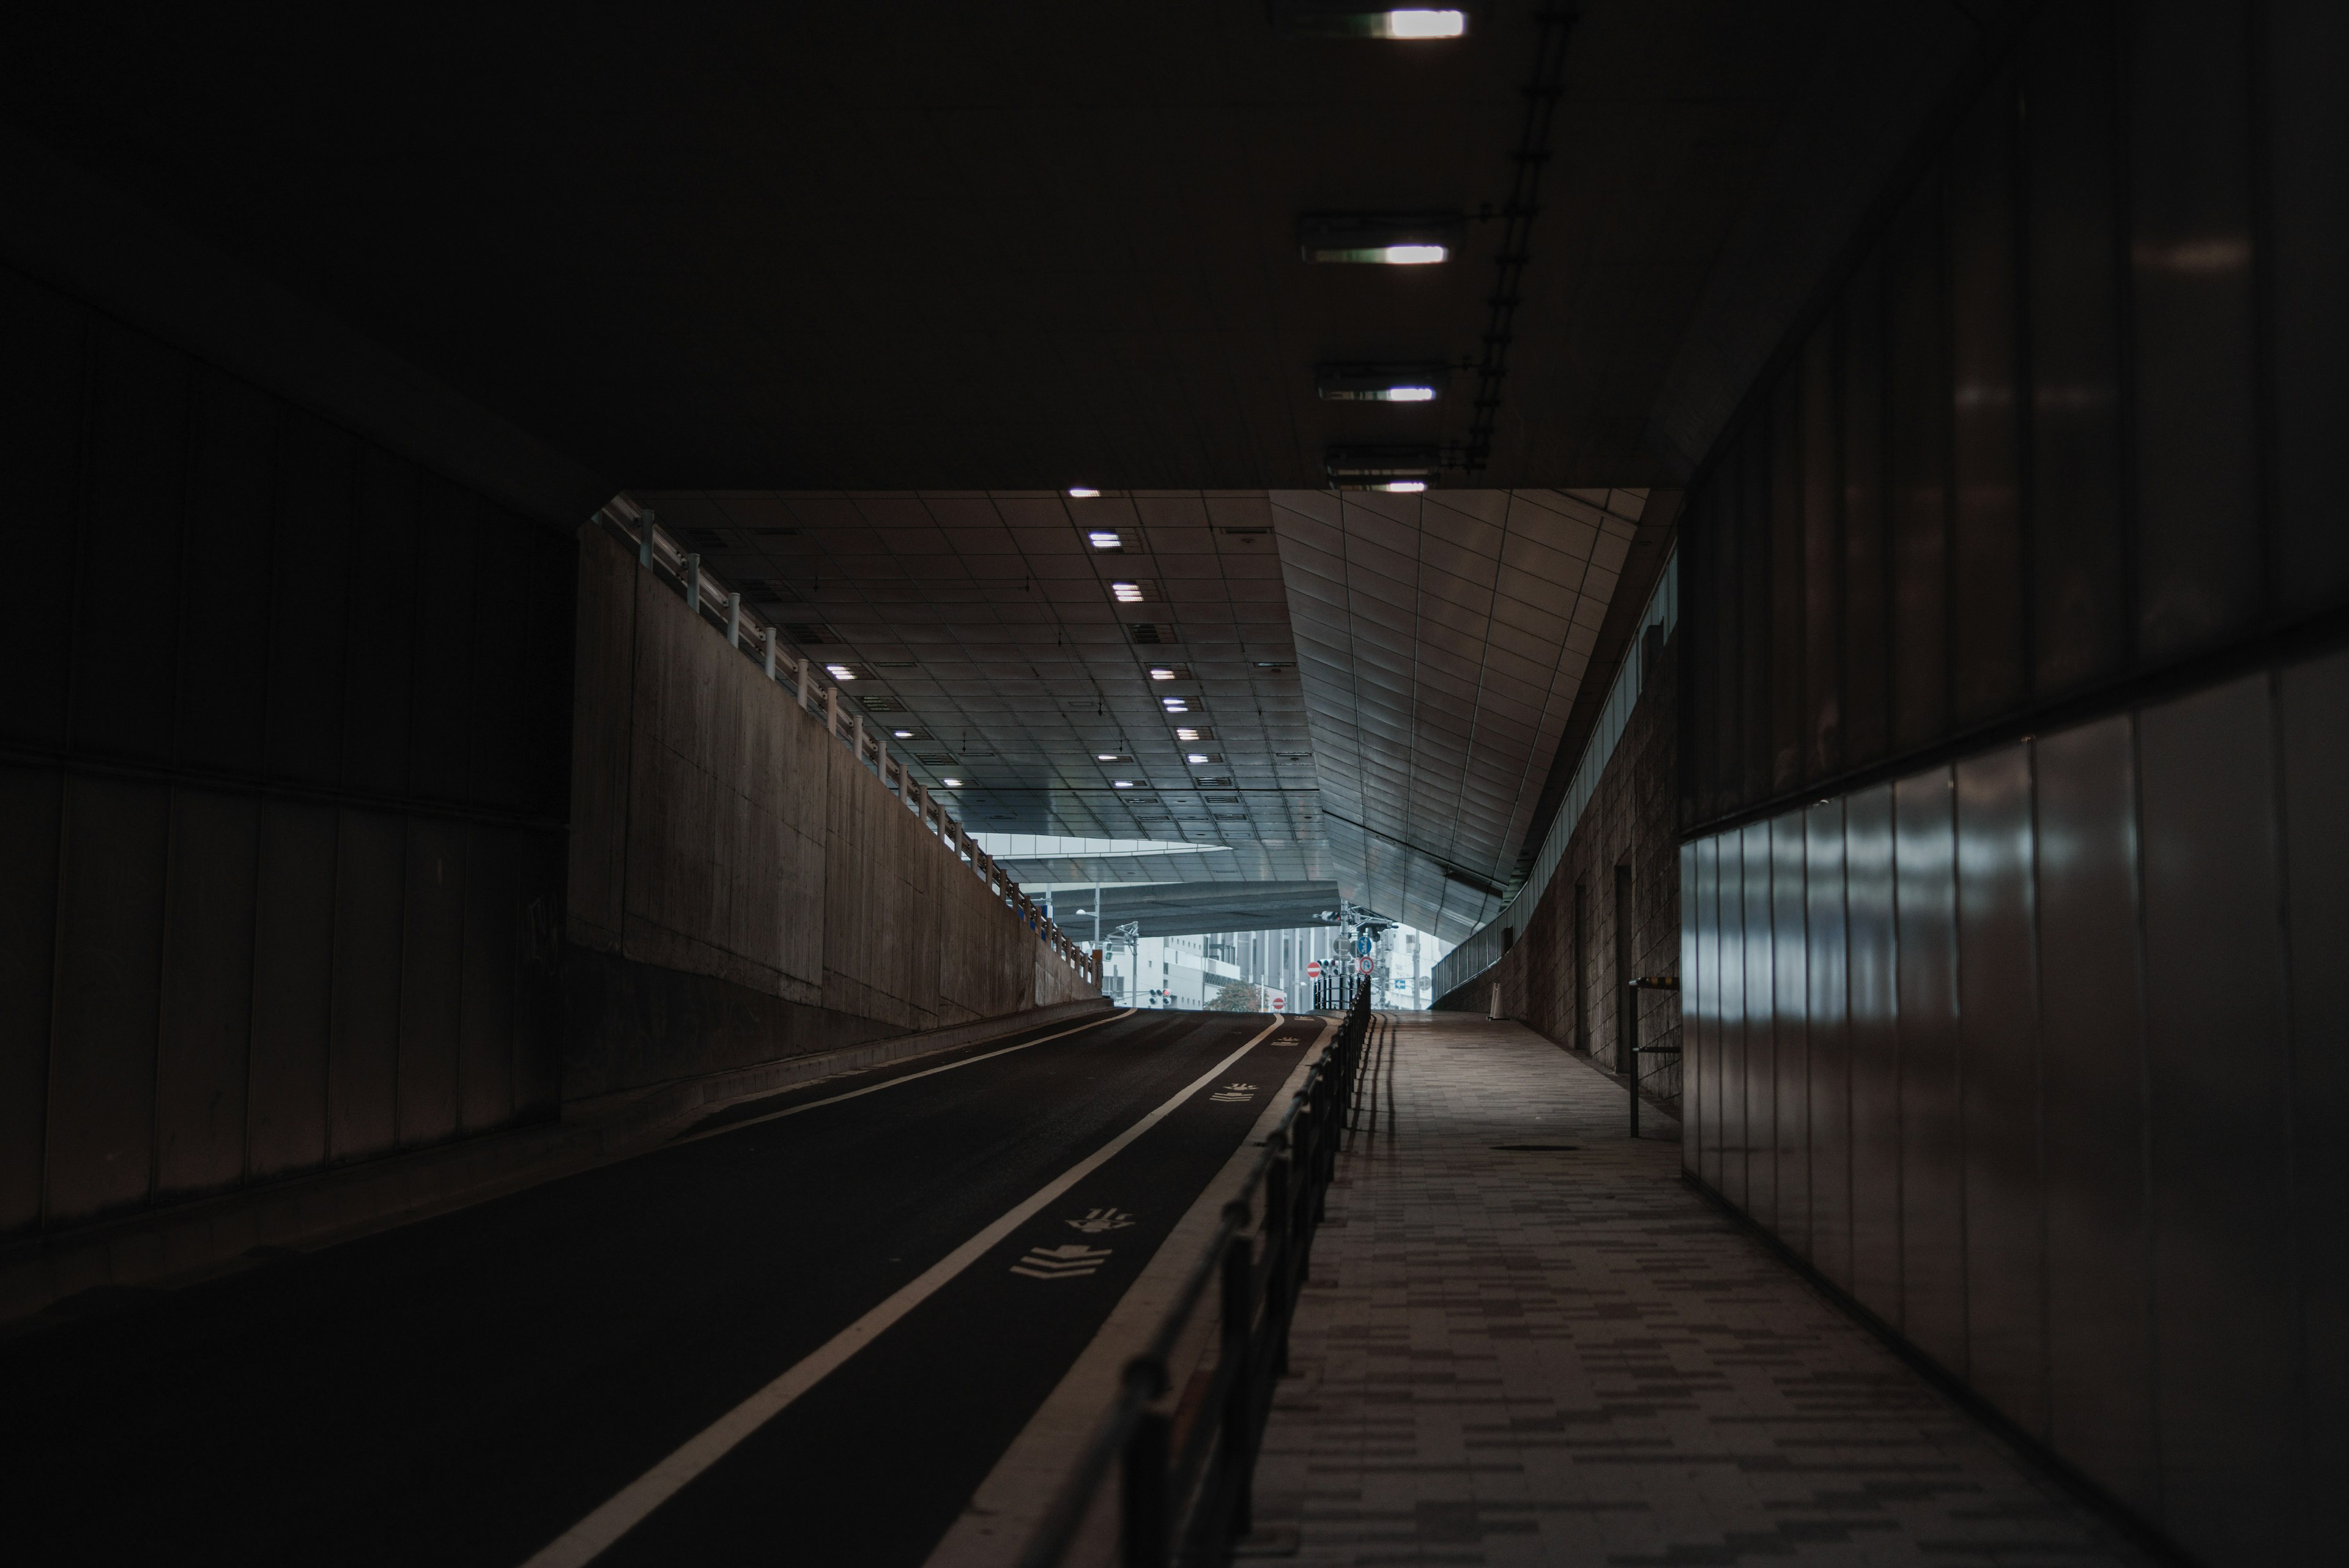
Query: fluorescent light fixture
[1378,239]
[1109,756]
[1403,486]
[1105,539]
[951,783]
[1198,757]
[841,673]
[1126,593]
[1408,469]
[1417,25]
[1175,704]
[1120,783]
[903,735]
[1162,673]
[1381,383]
[1080,493]
[1188,733]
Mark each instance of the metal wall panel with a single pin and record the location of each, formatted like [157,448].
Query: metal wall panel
[308,596]
[2307,149]
[1867,546]
[219,677]
[1932,1149]
[101,1101]
[363,1060]
[1918,416]
[134,457]
[2312,700]
[1758,1071]
[1789,997]
[2193,347]
[2078,577]
[1731,893]
[380,658]
[1985,566]
[1826,1004]
[28,871]
[432,979]
[499,748]
[207,993]
[485,1065]
[293,969]
[1822,598]
[1998,1029]
[1705,1017]
[1787,618]
[441,732]
[1694,983]
[43,342]
[1874,956]
[2099,1236]
[2226,1321]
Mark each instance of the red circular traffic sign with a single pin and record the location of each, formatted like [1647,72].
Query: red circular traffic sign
[1279,1003]
[1361,966]
[1313,969]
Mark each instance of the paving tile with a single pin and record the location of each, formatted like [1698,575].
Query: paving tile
[1536,1356]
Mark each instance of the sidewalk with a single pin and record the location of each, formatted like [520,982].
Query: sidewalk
[1534,1355]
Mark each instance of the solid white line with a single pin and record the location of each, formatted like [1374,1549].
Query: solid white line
[893,1082]
[588,1539]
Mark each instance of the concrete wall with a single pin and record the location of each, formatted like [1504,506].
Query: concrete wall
[1631,823]
[742,888]
[282,769]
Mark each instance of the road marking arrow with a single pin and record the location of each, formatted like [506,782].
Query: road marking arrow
[1071,1261]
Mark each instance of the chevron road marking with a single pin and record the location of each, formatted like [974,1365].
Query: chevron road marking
[587,1539]
[1071,1261]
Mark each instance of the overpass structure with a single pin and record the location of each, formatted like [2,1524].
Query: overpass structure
[619,623]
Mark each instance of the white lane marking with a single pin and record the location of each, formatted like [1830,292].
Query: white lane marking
[893,1082]
[588,1539]
[1071,1261]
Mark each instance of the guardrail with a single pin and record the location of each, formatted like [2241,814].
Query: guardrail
[709,599]
[1185,1457]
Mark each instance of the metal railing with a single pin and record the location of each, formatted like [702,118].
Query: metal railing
[1632,1049]
[1184,1456]
[709,599]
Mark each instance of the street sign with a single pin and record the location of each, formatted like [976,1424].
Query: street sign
[1313,969]
[1401,982]
[1361,966]
[1364,945]
[1280,1004]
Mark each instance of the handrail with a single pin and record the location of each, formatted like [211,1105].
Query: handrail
[661,553]
[1184,1496]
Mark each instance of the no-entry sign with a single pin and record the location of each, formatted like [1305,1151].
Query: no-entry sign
[1280,1004]
[1313,969]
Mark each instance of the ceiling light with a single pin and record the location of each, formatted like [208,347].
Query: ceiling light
[903,735]
[1367,19]
[1126,593]
[1403,486]
[1109,756]
[1120,783]
[1188,733]
[1175,704]
[1105,539]
[1198,757]
[1381,383]
[1382,467]
[841,673]
[1406,239]
[1162,673]
[951,783]
[1080,493]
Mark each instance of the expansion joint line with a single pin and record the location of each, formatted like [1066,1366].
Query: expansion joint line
[1518,215]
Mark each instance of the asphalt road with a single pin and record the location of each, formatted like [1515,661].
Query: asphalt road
[466,1389]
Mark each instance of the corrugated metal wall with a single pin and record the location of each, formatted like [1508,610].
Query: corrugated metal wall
[2017,739]
[283,759]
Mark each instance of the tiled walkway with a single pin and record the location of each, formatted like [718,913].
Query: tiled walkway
[1537,1355]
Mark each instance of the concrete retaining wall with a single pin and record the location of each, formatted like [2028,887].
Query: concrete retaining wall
[742,888]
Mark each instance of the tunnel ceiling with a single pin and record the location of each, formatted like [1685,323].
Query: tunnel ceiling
[1376,692]
[923,246]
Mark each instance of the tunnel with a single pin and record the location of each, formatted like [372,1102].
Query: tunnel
[1517,781]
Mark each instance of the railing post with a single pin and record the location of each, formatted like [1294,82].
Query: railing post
[856,739]
[804,682]
[693,583]
[733,620]
[771,653]
[832,713]
[645,540]
[1145,1498]
[1239,1403]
